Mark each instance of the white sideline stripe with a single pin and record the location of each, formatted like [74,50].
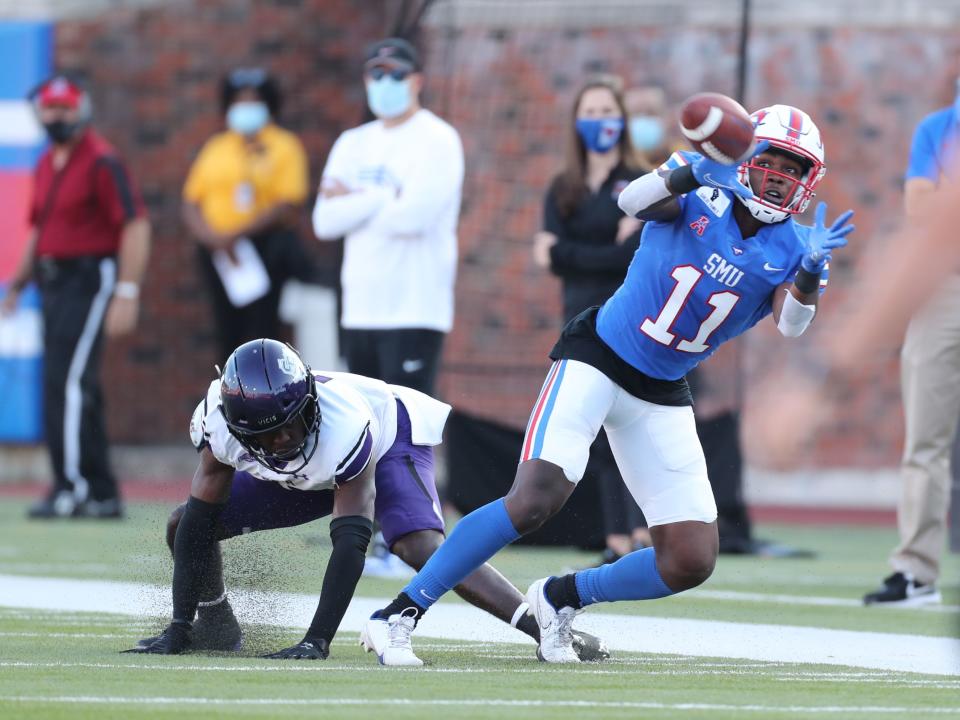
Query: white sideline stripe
[739,596]
[61,635]
[632,633]
[73,395]
[328,668]
[619,670]
[328,701]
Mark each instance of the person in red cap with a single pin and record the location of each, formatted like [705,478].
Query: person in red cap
[87,248]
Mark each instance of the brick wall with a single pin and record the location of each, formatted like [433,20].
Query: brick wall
[507,89]
[508,92]
[154,74]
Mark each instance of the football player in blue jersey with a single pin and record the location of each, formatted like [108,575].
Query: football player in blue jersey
[720,251]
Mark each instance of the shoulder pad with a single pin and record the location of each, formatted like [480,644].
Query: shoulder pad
[198,429]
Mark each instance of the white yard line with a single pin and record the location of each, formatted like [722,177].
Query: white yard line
[695,670]
[740,596]
[634,633]
[803,710]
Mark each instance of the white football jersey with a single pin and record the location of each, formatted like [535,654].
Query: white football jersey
[358,424]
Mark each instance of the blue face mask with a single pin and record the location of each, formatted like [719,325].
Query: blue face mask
[387,97]
[600,135]
[247,117]
[646,132]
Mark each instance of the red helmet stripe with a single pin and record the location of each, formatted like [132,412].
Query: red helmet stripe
[796,125]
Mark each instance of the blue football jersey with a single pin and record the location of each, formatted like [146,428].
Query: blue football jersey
[695,283]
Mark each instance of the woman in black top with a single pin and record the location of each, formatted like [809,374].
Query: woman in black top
[588,242]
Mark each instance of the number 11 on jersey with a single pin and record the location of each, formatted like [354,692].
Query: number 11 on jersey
[687,277]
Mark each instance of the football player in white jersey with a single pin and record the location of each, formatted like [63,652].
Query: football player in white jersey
[281,446]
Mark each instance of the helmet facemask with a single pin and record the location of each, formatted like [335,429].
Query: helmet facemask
[791,132]
[307,417]
[266,388]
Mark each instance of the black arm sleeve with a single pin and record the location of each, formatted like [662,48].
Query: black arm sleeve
[807,282]
[681,180]
[552,222]
[350,537]
[192,549]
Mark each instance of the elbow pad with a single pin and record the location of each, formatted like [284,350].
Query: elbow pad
[795,317]
[644,192]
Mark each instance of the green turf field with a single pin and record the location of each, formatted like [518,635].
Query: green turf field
[67,665]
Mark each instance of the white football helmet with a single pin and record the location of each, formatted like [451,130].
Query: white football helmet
[790,130]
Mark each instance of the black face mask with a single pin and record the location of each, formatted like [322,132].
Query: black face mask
[61,131]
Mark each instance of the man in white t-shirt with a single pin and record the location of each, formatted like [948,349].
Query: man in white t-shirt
[392,188]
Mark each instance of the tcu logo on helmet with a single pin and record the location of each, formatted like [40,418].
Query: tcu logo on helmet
[286,366]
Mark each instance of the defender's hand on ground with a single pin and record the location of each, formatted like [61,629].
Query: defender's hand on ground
[306,649]
[172,641]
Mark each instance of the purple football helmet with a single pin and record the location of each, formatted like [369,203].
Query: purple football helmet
[266,390]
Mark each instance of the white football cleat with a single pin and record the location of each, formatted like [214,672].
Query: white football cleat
[390,640]
[556,626]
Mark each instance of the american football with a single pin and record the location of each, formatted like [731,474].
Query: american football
[717,126]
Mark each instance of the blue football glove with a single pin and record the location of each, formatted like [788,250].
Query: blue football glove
[822,240]
[713,174]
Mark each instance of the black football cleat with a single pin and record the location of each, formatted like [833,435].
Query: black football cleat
[216,628]
[58,504]
[902,590]
[109,509]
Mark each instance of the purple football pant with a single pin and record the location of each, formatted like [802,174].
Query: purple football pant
[406,495]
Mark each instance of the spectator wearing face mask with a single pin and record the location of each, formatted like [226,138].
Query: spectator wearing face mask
[241,202]
[588,242]
[87,249]
[647,122]
[391,188]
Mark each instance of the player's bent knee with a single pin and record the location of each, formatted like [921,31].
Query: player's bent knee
[528,512]
[172,522]
[538,493]
[686,569]
[416,548]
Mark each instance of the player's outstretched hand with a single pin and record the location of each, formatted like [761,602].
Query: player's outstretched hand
[172,641]
[822,240]
[713,174]
[306,649]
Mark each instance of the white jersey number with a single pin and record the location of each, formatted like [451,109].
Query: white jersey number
[687,278]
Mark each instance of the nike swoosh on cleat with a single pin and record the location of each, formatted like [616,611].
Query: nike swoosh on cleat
[770,268]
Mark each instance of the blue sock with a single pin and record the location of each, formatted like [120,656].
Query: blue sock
[475,539]
[632,577]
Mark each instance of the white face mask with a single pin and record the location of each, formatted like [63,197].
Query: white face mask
[388,98]
[247,117]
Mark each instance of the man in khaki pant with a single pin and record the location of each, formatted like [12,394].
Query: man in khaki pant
[930,380]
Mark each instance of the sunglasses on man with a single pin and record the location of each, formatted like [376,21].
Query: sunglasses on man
[378,73]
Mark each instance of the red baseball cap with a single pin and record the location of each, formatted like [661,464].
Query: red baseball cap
[60,92]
